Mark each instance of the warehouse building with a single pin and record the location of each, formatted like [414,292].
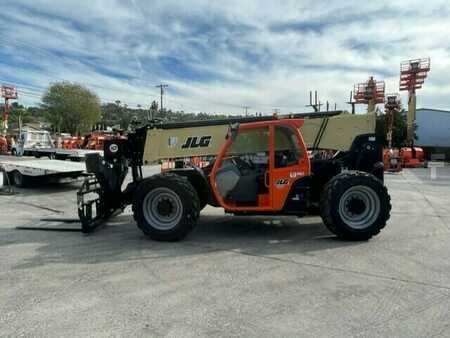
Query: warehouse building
[433,131]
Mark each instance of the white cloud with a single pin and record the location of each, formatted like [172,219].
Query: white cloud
[219,56]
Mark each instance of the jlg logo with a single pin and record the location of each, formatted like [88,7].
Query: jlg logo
[196,142]
[281,183]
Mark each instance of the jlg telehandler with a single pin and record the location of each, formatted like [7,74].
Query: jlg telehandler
[258,166]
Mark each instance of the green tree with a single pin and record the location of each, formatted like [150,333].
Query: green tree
[118,115]
[399,130]
[18,111]
[30,114]
[71,107]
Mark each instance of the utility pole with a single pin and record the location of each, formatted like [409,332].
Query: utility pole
[246,108]
[161,87]
[316,104]
[352,102]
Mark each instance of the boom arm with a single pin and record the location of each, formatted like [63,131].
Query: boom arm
[336,132]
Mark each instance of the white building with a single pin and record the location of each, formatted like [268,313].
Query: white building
[433,128]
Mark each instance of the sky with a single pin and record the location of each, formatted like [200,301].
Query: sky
[218,56]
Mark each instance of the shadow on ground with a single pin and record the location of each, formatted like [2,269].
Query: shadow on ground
[121,240]
[36,189]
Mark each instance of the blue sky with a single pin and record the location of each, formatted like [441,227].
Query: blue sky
[222,55]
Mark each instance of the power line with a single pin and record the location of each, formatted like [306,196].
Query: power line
[33,90]
[17,84]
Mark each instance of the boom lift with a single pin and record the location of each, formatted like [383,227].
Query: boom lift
[412,76]
[370,93]
[260,166]
[7,93]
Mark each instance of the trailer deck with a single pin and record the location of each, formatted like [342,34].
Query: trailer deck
[23,169]
[60,154]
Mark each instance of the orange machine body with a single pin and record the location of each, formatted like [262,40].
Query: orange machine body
[412,158]
[3,145]
[392,160]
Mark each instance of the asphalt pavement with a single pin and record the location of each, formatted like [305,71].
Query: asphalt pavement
[233,276]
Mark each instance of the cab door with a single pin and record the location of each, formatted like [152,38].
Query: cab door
[289,161]
[241,177]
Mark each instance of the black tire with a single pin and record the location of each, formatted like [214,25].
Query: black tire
[14,152]
[177,194]
[203,200]
[355,205]
[18,179]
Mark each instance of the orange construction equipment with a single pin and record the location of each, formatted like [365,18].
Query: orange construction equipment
[8,93]
[96,139]
[412,77]
[261,167]
[412,157]
[370,92]
[72,142]
[3,145]
[392,160]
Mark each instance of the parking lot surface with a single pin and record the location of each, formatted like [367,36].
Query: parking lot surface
[233,276]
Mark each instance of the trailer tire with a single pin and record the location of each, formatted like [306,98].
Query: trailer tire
[166,207]
[355,205]
[18,179]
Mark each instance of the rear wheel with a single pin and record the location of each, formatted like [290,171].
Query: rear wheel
[355,205]
[166,207]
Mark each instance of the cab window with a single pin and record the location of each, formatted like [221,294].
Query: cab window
[241,176]
[287,149]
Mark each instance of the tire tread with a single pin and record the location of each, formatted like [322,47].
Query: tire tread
[191,214]
[327,203]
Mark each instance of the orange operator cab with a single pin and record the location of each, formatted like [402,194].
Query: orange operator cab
[271,156]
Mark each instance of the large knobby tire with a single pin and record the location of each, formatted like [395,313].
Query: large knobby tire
[166,207]
[355,205]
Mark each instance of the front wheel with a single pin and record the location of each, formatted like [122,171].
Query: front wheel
[355,205]
[166,207]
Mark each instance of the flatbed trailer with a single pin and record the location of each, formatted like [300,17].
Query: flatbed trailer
[23,171]
[60,154]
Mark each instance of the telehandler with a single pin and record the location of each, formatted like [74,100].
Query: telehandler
[257,166]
